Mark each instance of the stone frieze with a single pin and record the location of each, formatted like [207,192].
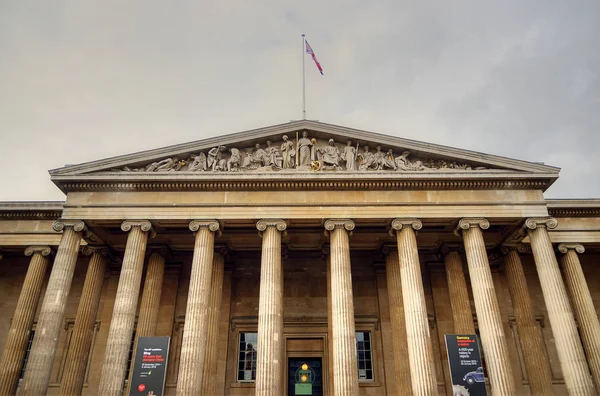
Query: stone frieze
[301,153]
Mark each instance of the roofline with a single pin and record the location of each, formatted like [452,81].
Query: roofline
[31,210]
[574,207]
[292,126]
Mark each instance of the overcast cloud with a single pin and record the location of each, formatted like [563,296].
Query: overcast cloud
[81,81]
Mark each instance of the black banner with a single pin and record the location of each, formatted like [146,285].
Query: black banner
[150,366]
[466,368]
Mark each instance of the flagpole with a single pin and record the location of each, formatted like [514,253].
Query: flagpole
[303,80]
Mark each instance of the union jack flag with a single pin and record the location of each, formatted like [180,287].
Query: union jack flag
[310,51]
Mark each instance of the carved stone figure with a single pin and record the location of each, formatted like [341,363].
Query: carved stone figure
[330,155]
[165,165]
[367,160]
[404,164]
[388,161]
[288,153]
[271,155]
[304,150]
[258,157]
[247,164]
[198,163]
[349,155]
[214,158]
[233,163]
[379,158]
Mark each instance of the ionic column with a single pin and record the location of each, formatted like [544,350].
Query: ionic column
[193,344]
[212,334]
[459,294]
[81,339]
[486,307]
[345,368]
[269,359]
[589,327]
[570,352]
[399,343]
[534,352]
[148,316]
[50,321]
[20,328]
[420,350]
[114,367]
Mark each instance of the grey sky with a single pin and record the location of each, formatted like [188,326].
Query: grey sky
[81,81]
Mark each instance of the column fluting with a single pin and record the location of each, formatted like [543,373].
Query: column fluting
[399,343]
[570,351]
[50,321]
[20,327]
[345,375]
[539,373]
[214,309]
[85,320]
[459,294]
[153,284]
[270,344]
[589,327]
[114,367]
[193,345]
[420,349]
[491,330]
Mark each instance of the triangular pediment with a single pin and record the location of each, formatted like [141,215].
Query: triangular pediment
[310,148]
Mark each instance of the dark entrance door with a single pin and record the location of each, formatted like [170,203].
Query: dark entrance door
[303,371]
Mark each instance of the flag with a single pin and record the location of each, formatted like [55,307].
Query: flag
[310,51]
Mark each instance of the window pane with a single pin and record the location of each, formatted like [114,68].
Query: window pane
[364,356]
[247,357]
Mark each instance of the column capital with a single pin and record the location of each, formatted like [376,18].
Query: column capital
[565,247]
[144,225]
[60,224]
[332,224]
[162,250]
[466,223]
[211,224]
[398,224]
[31,250]
[534,222]
[451,247]
[263,224]
[89,250]
[388,249]
[223,250]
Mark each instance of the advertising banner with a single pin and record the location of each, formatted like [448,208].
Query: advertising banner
[150,366]
[466,368]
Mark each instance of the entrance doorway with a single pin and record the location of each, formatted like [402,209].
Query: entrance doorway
[305,376]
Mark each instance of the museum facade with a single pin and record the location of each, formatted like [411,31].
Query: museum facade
[302,258]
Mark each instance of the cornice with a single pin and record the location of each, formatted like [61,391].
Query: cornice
[573,207]
[36,210]
[318,182]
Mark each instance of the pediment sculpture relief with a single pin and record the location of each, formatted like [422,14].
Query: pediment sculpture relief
[300,154]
